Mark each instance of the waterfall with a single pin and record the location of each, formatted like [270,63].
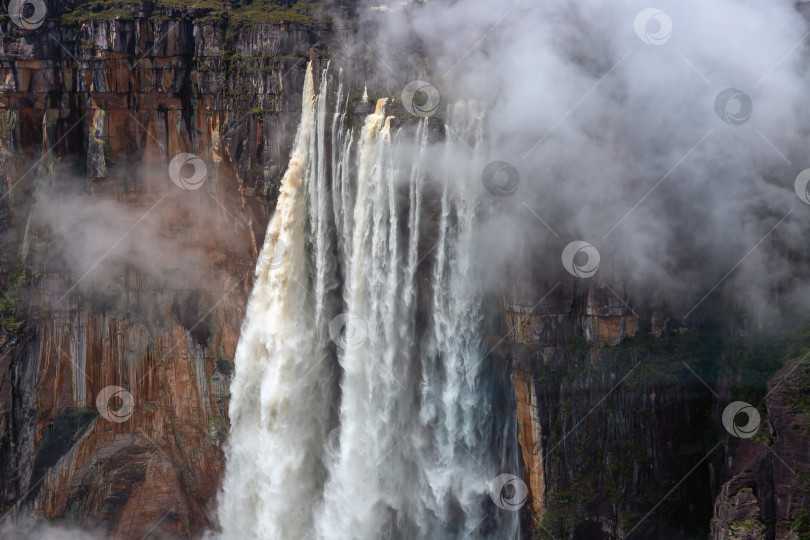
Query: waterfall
[362,404]
[280,398]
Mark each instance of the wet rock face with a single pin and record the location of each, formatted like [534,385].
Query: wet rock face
[621,434]
[767,494]
[92,111]
[95,110]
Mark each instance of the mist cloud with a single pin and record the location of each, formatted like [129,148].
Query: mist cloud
[618,140]
[167,236]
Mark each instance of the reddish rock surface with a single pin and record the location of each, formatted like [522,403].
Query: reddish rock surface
[769,486]
[90,116]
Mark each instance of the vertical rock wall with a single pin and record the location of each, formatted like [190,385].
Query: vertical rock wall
[94,110]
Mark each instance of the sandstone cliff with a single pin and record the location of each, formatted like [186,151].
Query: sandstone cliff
[613,410]
[94,105]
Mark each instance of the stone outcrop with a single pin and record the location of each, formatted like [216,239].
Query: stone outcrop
[93,107]
[619,418]
[768,493]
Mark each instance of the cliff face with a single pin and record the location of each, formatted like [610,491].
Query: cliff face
[768,493]
[620,418]
[93,109]
[619,436]
[601,422]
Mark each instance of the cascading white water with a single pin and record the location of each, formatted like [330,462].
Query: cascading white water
[408,444]
[280,397]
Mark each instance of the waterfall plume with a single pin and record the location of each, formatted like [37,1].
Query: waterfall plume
[360,281]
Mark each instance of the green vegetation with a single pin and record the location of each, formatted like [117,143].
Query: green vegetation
[263,11]
[558,517]
[577,347]
[260,113]
[748,526]
[756,357]
[205,11]
[306,13]
[175,10]
[179,4]
[799,397]
[662,358]
[622,469]
[268,11]
[108,10]
[217,431]
[100,10]
[801,525]
[11,317]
